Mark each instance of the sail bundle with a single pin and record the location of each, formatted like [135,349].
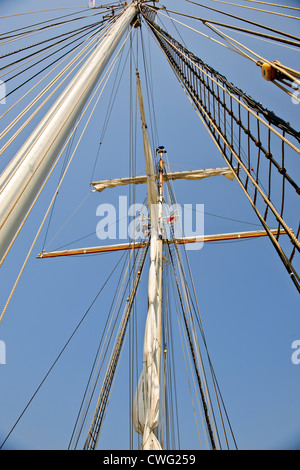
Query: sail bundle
[191,175]
[146,401]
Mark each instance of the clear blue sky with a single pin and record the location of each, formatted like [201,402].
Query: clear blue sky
[248,305]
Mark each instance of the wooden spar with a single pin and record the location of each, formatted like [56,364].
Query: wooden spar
[96,249]
[226,236]
[178,241]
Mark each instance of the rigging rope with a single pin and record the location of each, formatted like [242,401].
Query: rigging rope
[212,97]
[108,72]
[60,353]
[258,9]
[221,80]
[41,22]
[291,36]
[273,4]
[97,422]
[237,28]
[59,75]
[104,343]
[203,400]
[40,11]
[197,315]
[38,30]
[41,60]
[70,35]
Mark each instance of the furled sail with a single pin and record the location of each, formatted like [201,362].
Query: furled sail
[145,411]
[146,401]
[188,175]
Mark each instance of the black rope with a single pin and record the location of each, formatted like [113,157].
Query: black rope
[69,34]
[61,23]
[96,30]
[93,435]
[199,86]
[248,21]
[42,22]
[270,116]
[108,317]
[60,354]
[206,21]
[198,317]
[204,405]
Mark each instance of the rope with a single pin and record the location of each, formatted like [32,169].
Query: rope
[220,80]
[39,11]
[273,4]
[258,9]
[70,35]
[59,355]
[205,101]
[283,71]
[34,101]
[108,72]
[181,330]
[191,308]
[202,34]
[291,36]
[40,71]
[237,28]
[86,400]
[274,65]
[199,320]
[94,431]
[41,22]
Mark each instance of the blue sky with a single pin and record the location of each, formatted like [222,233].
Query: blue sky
[248,305]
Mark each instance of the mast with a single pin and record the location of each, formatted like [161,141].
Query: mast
[146,401]
[25,174]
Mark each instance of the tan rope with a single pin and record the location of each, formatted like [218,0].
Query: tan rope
[273,4]
[205,35]
[108,73]
[258,9]
[284,139]
[40,11]
[34,101]
[274,64]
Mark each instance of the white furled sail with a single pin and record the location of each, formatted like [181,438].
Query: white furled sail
[146,401]
[188,175]
[145,411]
